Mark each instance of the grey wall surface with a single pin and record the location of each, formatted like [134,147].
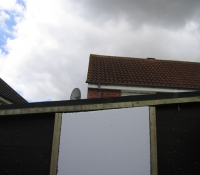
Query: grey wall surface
[111,142]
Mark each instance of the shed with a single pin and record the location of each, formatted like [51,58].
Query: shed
[30,132]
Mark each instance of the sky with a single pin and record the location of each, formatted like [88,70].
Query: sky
[109,142]
[45,44]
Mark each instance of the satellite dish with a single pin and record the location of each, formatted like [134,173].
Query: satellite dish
[76,94]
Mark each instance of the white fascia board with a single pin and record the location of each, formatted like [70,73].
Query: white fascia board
[138,88]
[6,101]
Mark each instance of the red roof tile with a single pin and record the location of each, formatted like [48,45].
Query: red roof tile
[143,72]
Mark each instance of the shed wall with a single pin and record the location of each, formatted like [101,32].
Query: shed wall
[26,143]
[178,141]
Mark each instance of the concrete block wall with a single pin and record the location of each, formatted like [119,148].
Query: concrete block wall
[104,93]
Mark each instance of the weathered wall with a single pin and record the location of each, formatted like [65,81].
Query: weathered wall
[26,144]
[178,141]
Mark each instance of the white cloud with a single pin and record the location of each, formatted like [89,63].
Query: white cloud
[42,52]
[11,6]
[10,13]
[50,53]
[7,4]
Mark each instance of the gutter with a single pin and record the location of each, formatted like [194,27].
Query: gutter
[138,88]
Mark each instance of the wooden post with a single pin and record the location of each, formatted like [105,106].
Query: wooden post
[153,142]
[55,144]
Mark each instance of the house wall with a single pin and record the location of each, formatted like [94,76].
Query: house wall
[104,93]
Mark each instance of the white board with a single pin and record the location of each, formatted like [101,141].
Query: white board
[110,142]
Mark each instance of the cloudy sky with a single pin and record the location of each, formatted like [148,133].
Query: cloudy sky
[45,44]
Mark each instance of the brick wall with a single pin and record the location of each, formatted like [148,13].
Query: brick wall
[104,93]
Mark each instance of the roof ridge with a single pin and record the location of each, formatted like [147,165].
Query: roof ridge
[116,56]
[123,57]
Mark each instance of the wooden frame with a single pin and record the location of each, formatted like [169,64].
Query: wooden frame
[56,143]
[153,141]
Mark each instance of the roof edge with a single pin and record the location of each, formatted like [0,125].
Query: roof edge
[145,85]
[82,105]
[23,100]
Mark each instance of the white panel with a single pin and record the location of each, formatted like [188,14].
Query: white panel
[110,142]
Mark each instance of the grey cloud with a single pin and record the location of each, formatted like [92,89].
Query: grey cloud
[166,13]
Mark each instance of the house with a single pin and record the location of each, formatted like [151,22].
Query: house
[110,76]
[8,95]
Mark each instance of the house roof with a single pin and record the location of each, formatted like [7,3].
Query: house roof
[10,94]
[115,70]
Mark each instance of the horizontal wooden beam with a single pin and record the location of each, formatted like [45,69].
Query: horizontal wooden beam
[95,107]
